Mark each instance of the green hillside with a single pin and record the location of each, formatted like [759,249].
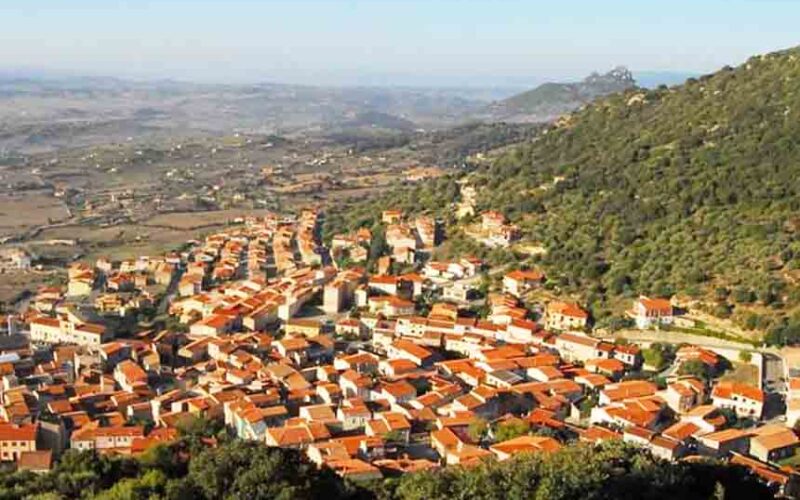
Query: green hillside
[692,189]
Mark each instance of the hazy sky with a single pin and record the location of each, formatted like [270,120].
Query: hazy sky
[381,41]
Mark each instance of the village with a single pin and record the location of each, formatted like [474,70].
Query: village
[372,364]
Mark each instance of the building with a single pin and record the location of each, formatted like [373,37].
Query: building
[524,444]
[106,439]
[649,312]
[16,440]
[772,443]
[304,327]
[66,330]
[747,401]
[518,282]
[565,316]
[392,216]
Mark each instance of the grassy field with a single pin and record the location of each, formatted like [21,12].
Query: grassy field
[198,220]
[21,213]
[117,242]
[701,329]
[744,373]
[13,283]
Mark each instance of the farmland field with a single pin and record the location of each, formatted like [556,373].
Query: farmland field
[22,213]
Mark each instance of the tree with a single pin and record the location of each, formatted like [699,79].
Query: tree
[249,470]
[377,246]
[477,429]
[696,368]
[745,356]
[511,429]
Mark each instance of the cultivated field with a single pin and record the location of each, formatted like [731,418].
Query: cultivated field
[20,213]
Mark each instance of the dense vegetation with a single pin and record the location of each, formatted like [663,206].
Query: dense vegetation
[691,189]
[447,147]
[248,470]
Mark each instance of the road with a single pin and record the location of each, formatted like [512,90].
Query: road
[650,336]
[772,369]
[169,293]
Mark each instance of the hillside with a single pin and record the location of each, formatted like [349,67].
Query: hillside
[550,100]
[692,190]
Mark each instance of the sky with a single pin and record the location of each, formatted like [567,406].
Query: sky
[376,42]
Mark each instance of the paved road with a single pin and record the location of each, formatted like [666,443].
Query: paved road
[649,336]
[172,288]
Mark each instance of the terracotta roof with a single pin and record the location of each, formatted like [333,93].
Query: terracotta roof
[629,389]
[13,432]
[773,437]
[35,460]
[520,275]
[570,309]
[526,444]
[727,390]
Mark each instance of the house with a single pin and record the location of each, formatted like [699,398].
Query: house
[612,368]
[106,439]
[623,391]
[518,282]
[16,440]
[392,216]
[405,349]
[297,435]
[649,312]
[212,326]
[630,354]
[660,446]
[390,306]
[350,327]
[746,400]
[80,286]
[398,392]
[454,450]
[596,434]
[565,316]
[38,462]
[354,469]
[130,376]
[304,327]
[772,443]
[392,424]
[684,394]
[705,419]
[579,347]
[67,330]
[722,443]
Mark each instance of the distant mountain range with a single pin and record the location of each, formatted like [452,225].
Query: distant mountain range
[551,100]
[41,111]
